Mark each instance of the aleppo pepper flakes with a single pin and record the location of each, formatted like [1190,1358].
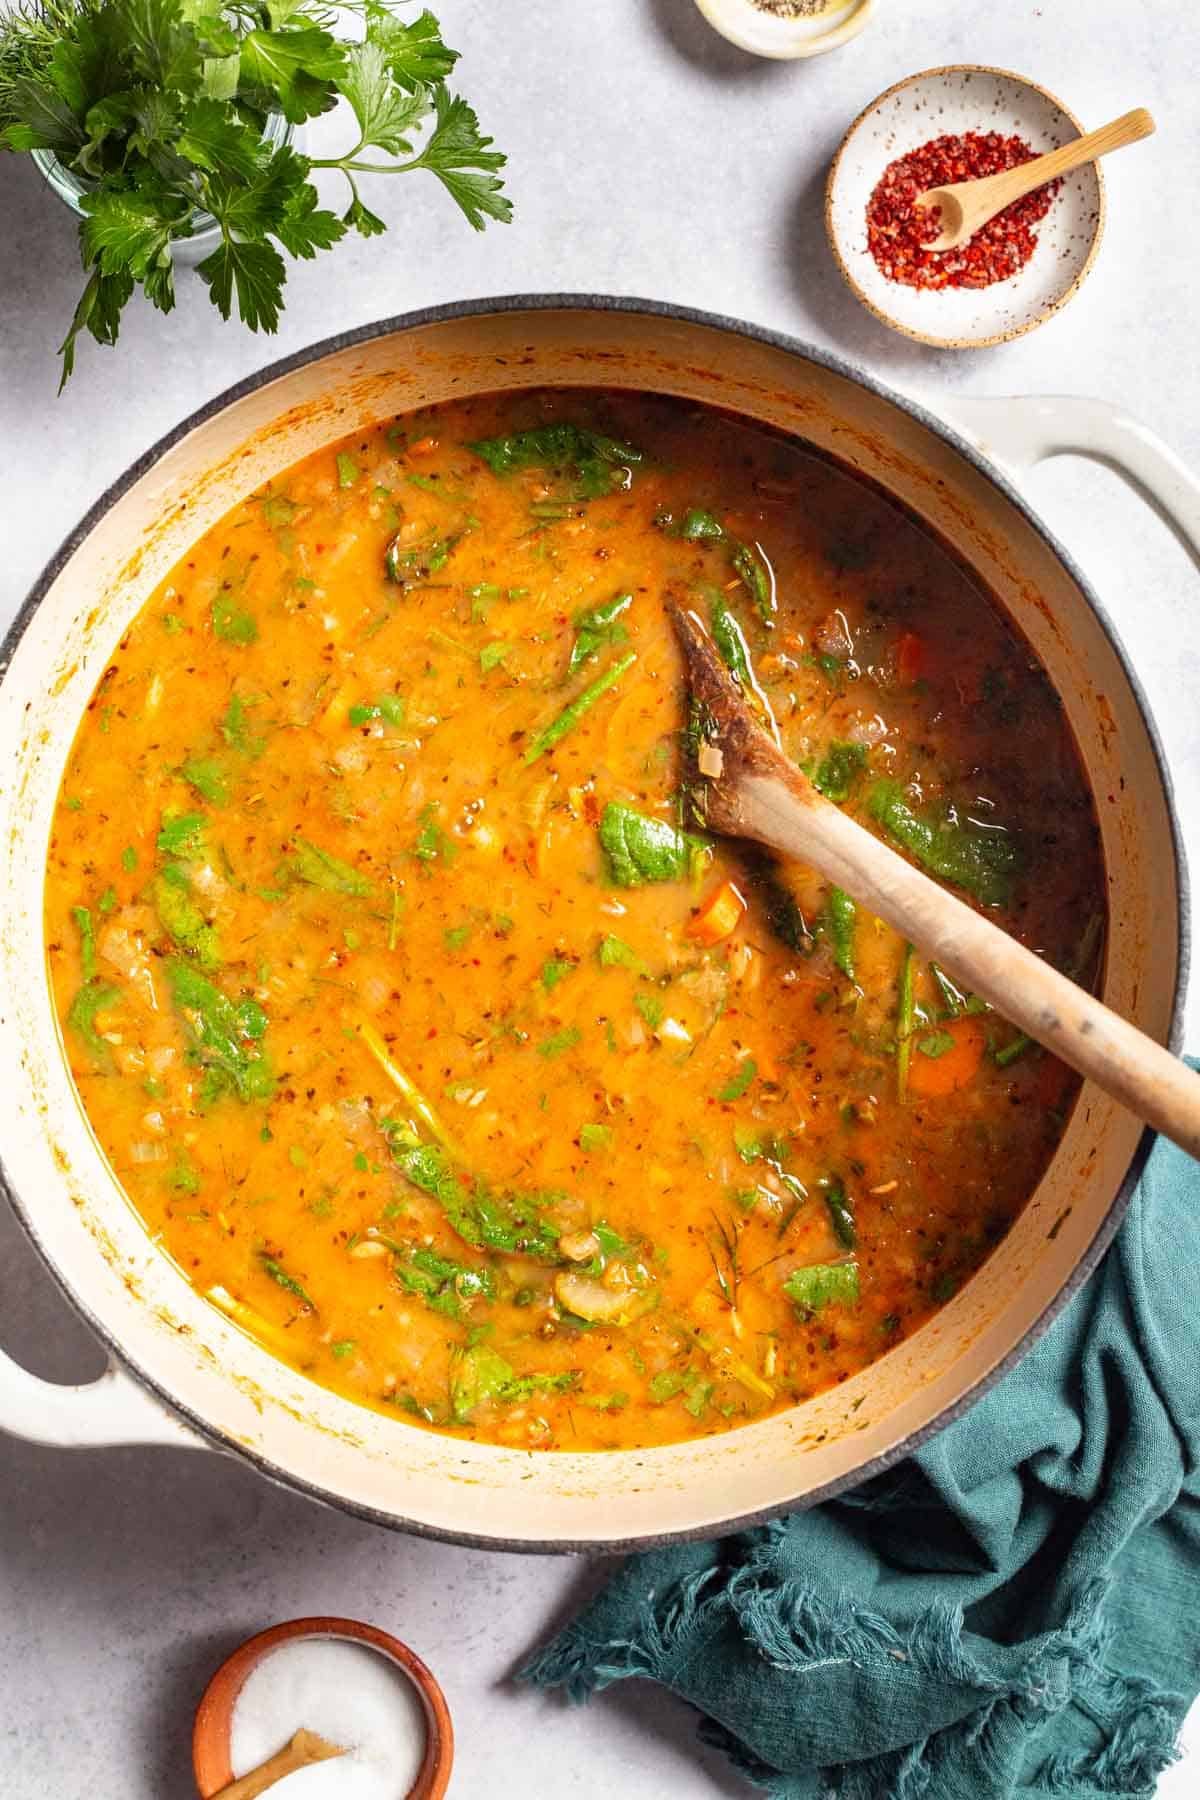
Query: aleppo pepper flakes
[897,229]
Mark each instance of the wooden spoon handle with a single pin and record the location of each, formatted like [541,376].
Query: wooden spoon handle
[1097,1042]
[1014,183]
[303,1748]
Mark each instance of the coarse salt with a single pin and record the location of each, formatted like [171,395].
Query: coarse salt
[346,1692]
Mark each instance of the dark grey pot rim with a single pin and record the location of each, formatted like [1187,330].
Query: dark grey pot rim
[1108,1225]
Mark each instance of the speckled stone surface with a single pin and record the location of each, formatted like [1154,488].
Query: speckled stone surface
[647,157]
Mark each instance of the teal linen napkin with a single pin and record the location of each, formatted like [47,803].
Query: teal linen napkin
[1015,1610]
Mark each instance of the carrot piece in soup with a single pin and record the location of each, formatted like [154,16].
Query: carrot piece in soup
[910,659]
[719,917]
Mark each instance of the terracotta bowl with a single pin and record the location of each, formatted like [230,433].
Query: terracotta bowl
[964,97]
[214,1715]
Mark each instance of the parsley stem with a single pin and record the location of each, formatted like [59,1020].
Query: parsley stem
[346,163]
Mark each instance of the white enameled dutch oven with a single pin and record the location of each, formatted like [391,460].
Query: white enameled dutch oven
[181,1372]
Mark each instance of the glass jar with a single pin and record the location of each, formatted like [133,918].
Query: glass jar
[185,251]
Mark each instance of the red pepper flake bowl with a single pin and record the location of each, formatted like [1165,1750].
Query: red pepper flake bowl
[1015,274]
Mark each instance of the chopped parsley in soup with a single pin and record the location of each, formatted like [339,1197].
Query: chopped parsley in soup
[419,1017]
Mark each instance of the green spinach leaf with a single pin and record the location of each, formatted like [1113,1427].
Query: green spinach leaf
[640,849]
[598,464]
[985,862]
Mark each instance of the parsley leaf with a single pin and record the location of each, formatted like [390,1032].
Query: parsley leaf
[255,272]
[321,869]
[230,623]
[123,231]
[492,655]
[738,1082]
[416,55]
[208,777]
[182,835]
[464,162]
[162,50]
[554,970]
[386,113]
[236,728]
[651,1009]
[360,218]
[303,227]
[614,952]
[223,145]
[477,1376]
[293,67]
[821,1285]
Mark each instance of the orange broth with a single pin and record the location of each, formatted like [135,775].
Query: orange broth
[461,1068]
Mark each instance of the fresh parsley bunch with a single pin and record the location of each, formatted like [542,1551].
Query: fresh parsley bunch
[160,107]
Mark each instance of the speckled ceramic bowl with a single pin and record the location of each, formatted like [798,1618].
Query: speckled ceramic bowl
[958,99]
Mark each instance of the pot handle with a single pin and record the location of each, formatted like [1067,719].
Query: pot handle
[114,1409]
[1020,431]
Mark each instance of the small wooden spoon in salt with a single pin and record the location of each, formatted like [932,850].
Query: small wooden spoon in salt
[303,1748]
[752,790]
[967,206]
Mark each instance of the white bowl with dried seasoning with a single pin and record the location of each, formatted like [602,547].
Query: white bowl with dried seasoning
[785,29]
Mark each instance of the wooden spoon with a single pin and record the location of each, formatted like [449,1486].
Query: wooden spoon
[303,1748]
[966,206]
[755,792]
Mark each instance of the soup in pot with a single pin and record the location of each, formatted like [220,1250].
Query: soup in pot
[418,1015]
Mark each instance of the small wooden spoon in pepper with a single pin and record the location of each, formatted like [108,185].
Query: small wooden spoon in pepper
[303,1748]
[746,787]
[967,206]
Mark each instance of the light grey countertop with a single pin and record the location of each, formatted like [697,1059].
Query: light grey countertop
[646,157]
